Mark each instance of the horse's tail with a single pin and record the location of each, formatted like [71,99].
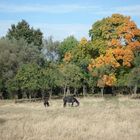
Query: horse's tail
[78,103]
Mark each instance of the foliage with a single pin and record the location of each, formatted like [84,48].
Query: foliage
[67,45]
[134,75]
[117,40]
[15,53]
[70,75]
[115,31]
[49,76]
[23,30]
[111,58]
[50,49]
[28,77]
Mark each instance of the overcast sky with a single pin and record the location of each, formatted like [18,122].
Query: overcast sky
[61,18]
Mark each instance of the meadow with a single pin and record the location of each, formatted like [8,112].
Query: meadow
[95,119]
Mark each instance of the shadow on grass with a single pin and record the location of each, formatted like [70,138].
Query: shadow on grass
[2,120]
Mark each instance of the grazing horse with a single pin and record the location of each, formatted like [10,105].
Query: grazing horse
[46,101]
[70,99]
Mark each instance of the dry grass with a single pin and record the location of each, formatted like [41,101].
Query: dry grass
[95,119]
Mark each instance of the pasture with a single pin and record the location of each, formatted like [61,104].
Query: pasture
[94,119]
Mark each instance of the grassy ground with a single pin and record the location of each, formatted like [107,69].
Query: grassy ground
[94,119]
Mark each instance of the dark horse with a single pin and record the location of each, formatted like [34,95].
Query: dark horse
[46,101]
[70,99]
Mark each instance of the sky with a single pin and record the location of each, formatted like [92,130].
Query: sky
[62,18]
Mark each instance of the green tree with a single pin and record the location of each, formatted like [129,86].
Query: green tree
[28,78]
[67,45]
[49,78]
[13,54]
[81,56]
[23,30]
[70,76]
[133,78]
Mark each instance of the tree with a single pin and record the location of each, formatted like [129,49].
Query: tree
[80,55]
[115,31]
[133,78]
[67,45]
[70,76]
[23,30]
[50,49]
[28,78]
[49,78]
[13,54]
[117,39]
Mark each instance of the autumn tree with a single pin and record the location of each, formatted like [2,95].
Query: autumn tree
[80,55]
[117,40]
[115,31]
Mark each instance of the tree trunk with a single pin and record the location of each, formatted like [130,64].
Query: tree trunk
[75,91]
[92,89]
[84,90]
[1,96]
[43,94]
[64,90]
[102,91]
[24,95]
[135,89]
[30,96]
[68,90]
[50,93]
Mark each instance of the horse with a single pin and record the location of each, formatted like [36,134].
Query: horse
[70,99]
[46,101]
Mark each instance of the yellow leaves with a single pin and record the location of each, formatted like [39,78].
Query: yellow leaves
[134,46]
[61,66]
[83,41]
[67,56]
[114,42]
[118,37]
[107,59]
[109,80]
[126,55]
[127,27]
[135,32]
[131,24]
[129,37]
[128,58]
[112,57]
[90,67]
[118,53]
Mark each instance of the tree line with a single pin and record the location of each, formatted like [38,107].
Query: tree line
[31,66]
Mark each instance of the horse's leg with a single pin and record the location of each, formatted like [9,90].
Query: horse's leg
[65,102]
[45,104]
[77,102]
[72,103]
[48,104]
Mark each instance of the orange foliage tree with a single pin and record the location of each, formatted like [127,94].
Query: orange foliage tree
[117,39]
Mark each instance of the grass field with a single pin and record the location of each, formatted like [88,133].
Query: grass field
[94,119]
